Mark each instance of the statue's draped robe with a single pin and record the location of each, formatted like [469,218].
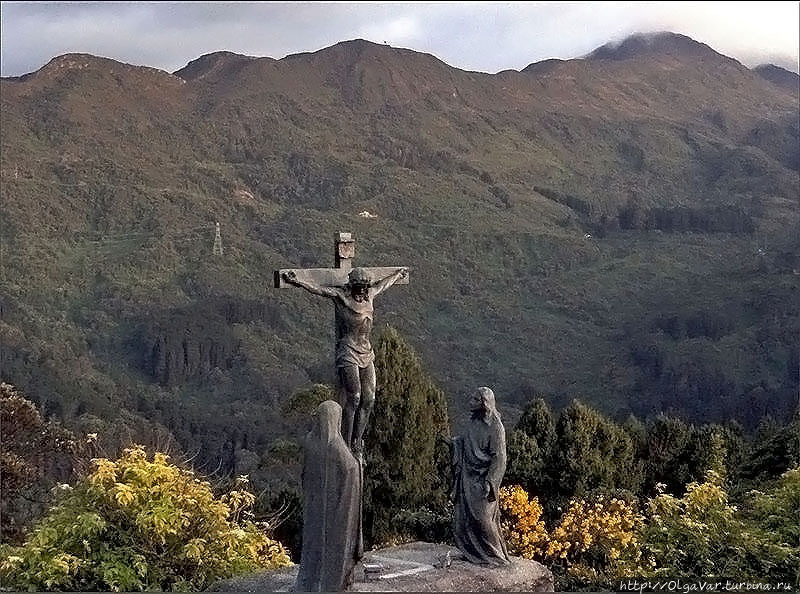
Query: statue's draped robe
[332,540]
[479,457]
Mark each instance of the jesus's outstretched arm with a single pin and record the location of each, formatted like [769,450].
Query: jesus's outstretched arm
[291,278]
[388,281]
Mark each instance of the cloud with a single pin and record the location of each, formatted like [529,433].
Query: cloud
[396,31]
[485,36]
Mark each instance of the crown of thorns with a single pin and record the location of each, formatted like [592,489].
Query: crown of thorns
[358,277]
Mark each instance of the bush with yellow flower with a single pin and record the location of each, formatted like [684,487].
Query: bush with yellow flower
[138,524]
[598,541]
[703,534]
[522,524]
[593,541]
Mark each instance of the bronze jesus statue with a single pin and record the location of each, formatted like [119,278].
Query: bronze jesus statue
[355,358]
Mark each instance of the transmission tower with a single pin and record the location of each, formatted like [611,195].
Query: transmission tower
[217,251]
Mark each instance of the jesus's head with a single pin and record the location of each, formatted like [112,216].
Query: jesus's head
[359,283]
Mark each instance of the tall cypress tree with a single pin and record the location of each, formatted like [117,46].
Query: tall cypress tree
[531,446]
[594,453]
[537,421]
[407,452]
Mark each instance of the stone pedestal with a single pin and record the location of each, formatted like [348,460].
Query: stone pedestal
[415,567]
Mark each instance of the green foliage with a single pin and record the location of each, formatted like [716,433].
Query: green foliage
[526,464]
[775,448]
[426,523]
[677,453]
[114,306]
[702,535]
[735,445]
[773,514]
[531,448]
[34,455]
[593,452]
[593,541]
[150,332]
[407,465]
[698,535]
[598,541]
[589,452]
[304,402]
[538,422]
[135,524]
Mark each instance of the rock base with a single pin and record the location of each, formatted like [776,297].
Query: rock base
[415,567]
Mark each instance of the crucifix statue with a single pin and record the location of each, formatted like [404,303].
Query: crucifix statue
[352,291]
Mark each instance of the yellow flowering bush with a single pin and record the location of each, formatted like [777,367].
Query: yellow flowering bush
[703,535]
[135,524]
[602,530]
[594,541]
[598,541]
[522,525]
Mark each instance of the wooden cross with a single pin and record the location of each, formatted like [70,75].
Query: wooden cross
[343,252]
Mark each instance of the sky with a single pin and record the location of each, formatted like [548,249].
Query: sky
[481,36]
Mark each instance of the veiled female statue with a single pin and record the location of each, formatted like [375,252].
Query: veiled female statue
[332,540]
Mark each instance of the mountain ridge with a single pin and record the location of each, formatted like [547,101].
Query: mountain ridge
[780,76]
[634,45]
[656,43]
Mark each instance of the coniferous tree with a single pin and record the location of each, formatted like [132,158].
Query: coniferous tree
[637,431]
[594,453]
[407,465]
[736,448]
[525,462]
[531,446]
[678,453]
[775,449]
[708,450]
[665,454]
[537,421]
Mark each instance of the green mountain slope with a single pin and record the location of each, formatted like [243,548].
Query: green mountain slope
[621,228]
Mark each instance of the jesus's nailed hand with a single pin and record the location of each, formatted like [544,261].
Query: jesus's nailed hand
[289,276]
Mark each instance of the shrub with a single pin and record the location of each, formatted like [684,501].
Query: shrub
[35,454]
[702,535]
[596,533]
[778,508]
[429,524]
[135,524]
[774,513]
[522,525]
[595,541]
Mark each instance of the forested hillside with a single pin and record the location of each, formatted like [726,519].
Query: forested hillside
[621,228]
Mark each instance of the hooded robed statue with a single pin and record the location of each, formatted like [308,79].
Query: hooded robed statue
[332,540]
[479,462]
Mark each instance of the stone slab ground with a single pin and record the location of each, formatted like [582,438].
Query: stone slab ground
[414,567]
